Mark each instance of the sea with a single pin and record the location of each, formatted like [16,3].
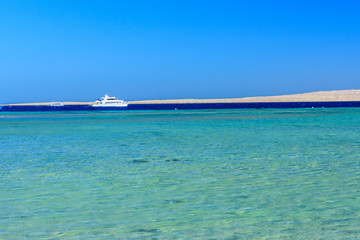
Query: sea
[186,174]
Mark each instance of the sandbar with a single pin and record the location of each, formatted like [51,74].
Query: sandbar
[320,96]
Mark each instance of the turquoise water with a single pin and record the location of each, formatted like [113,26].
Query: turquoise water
[224,174]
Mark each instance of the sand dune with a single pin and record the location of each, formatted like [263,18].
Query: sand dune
[322,96]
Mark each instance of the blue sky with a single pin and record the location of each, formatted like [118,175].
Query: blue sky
[79,50]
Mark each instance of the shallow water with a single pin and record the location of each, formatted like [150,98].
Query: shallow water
[210,174]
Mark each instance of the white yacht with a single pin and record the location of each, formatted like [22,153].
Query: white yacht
[109,102]
[56,104]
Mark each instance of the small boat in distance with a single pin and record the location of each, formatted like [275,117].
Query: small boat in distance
[56,104]
[109,102]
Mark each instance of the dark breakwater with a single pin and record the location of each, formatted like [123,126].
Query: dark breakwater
[183,106]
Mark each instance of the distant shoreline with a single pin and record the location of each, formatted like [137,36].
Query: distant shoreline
[321,96]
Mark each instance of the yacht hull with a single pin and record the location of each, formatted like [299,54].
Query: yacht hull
[109,105]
